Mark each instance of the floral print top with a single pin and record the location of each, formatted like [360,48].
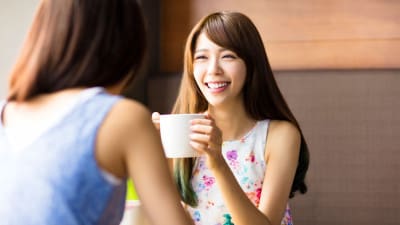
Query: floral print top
[246,159]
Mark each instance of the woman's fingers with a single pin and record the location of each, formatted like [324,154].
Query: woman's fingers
[199,146]
[206,135]
[155,117]
[200,137]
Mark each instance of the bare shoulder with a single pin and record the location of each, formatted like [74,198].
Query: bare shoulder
[129,112]
[283,129]
[126,119]
[283,138]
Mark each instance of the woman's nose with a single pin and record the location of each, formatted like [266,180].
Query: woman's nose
[214,67]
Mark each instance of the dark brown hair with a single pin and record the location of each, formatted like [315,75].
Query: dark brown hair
[261,95]
[79,43]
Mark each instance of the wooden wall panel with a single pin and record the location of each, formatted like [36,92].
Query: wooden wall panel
[302,34]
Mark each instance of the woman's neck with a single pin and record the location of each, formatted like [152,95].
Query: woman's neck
[233,121]
[38,109]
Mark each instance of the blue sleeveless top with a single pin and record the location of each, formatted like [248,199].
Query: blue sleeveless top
[55,179]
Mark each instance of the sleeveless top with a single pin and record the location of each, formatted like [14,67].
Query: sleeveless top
[246,159]
[55,179]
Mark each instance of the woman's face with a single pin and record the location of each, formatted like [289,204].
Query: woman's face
[219,72]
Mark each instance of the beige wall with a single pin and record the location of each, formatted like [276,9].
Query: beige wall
[352,126]
[15,18]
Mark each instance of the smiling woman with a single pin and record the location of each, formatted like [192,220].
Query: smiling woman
[228,68]
[253,154]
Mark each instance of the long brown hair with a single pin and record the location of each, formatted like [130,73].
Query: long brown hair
[261,94]
[79,43]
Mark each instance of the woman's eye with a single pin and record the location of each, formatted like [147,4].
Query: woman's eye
[229,56]
[198,57]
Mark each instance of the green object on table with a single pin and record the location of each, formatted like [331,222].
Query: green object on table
[228,219]
[130,191]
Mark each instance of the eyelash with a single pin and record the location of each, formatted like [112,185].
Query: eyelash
[200,57]
[230,56]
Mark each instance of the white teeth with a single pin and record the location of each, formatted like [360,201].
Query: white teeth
[216,85]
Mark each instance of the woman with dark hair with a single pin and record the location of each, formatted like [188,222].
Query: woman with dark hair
[68,141]
[254,156]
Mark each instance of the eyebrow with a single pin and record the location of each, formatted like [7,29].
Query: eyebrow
[200,50]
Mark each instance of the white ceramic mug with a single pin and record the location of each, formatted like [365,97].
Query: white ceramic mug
[175,131]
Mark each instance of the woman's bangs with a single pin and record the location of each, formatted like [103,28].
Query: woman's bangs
[217,32]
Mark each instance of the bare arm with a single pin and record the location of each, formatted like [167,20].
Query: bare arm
[282,154]
[134,149]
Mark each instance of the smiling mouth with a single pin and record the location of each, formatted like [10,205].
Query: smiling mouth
[216,85]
